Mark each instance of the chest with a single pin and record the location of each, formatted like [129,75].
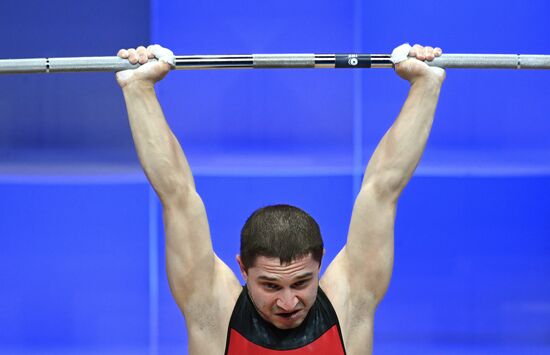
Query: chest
[328,344]
[319,333]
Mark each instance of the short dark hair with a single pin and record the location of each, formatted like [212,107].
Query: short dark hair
[280,231]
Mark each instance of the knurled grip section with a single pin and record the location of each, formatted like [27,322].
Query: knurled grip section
[487,61]
[284,60]
[77,64]
[21,66]
[533,61]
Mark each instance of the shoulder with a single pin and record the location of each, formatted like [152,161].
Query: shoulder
[354,306]
[207,314]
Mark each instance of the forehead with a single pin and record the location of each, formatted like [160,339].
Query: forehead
[271,267]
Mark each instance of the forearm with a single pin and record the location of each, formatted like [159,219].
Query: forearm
[158,150]
[398,153]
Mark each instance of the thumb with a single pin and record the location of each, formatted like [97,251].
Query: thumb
[163,54]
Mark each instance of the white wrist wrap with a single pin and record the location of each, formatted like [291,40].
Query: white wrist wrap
[163,54]
[400,53]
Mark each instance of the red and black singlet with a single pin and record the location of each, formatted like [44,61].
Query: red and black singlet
[250,334]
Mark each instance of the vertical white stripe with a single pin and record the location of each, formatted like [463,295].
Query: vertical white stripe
[357,125]
[153,274]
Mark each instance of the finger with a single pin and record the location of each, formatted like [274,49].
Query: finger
[150,54]
[419,52]
[132,56]
[414,50]
[151,50]
[438,51]
[429,53]
[123,53]
[142,54]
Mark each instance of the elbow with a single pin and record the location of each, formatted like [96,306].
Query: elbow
[174,190]
[386,186]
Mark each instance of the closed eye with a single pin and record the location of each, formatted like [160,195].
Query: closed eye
[301,283]
[271,287]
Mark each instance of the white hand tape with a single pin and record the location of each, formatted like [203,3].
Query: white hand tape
[163,54]
[400,53]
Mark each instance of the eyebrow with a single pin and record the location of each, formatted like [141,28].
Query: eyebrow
[274,279]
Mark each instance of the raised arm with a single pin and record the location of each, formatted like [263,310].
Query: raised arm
[194,271]
[361,272]
[370,243]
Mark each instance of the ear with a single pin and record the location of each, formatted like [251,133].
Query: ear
[241,266]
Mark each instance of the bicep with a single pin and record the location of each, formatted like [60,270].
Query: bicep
[354,306]
[192,266]
[369,248]
[358,277]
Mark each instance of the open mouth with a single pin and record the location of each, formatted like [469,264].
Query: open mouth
[289,315]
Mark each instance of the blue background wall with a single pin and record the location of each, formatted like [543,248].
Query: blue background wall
[80,233]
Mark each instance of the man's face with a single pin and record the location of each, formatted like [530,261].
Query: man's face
[283,294]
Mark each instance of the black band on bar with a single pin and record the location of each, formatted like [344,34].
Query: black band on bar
[214,62]
[353,61]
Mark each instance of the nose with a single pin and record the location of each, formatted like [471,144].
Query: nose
[287,301]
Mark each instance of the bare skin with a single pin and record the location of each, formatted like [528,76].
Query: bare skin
[206,290]
[282,294]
